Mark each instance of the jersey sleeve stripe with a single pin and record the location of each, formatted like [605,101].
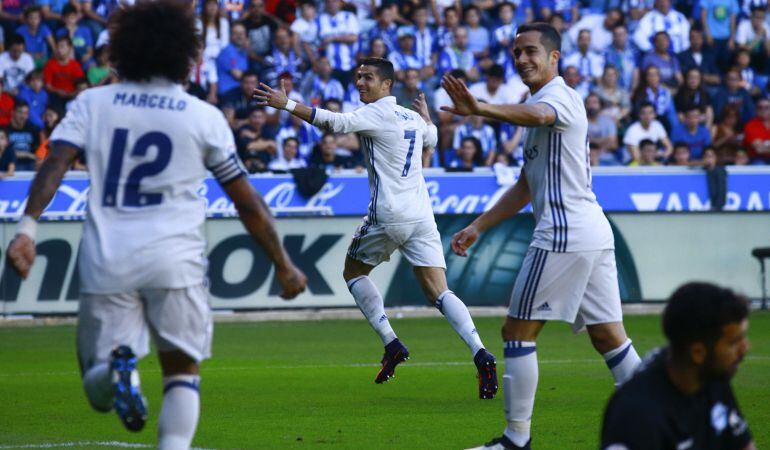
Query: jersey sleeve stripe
[562,209]
[552,194]
[67,143]
[312,115]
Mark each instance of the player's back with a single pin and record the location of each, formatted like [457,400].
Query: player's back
[147,147]
[393,156]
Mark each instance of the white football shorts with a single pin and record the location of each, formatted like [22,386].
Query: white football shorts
[580,288]
[418,242]
[179,319]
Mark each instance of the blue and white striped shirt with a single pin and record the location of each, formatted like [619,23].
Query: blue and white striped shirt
[485,135]
[341,56]
[402,62]
[425,43]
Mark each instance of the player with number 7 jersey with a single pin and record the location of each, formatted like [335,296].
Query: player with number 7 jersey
[400,216]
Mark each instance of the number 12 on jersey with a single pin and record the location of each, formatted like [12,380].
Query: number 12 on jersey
[410,135]
[132,196]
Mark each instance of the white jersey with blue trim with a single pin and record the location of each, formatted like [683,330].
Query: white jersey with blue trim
[148,147]
[392,139]
[568,218]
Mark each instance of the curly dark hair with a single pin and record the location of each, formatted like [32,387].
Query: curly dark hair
[154,39]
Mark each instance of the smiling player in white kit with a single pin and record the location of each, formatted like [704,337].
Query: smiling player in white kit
[569,272]
[400,214]
[149,146]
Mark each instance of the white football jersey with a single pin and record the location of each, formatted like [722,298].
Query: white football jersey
[148,147]
[567,215]
[392,139]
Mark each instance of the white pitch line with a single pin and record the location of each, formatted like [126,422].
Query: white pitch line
[348,365]
[111,444]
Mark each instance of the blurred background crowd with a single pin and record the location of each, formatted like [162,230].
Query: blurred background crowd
[682,84]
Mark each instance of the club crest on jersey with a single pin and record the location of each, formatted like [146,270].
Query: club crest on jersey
[531,153]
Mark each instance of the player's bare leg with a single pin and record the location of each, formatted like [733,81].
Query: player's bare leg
[371,304]
[434,285]
[611,341]
[181,400]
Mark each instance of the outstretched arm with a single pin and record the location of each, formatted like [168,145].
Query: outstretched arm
[21,250]
[278,99]
[507,206]
[465,104]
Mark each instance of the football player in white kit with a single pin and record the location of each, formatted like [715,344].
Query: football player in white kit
[400,214]
[569,271]
[149,146]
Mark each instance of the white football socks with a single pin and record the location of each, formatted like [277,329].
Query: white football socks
[370,303]
[622,362]
[179,414]
[98,386]
[519,386]
[457,315]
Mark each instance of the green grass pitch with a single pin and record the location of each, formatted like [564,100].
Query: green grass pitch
[286,385]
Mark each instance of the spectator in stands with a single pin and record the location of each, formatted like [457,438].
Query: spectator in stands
[701,57]
[457,56]
[61,71]
[726,133]
[681,155]
[260,27]
[23,137]
[663,18]
[38,38]
[51,118]
[101,73]
[325,156]
[647,128]
[602,130]
[668,66]
[289,157]
[752,81]
[15,64]
[79,34]
[254,148]
[339,31]
[307,136]
[589,64]
[756,139]
[741,158]
[622,56]
[493,90]
[404,58]
[385,29]
[479,39]
[233,61]
[485,135]
[352,100]
[215,30]
[503,35]
[11,13]
[651,90]
[616,103]
[600,26]
[733,94]
[648,154]
[753,34]
[445,33]
[694,95]
[319,86]
[407,91]
[573,79]
[469,154]
[557,21]
[305,29]
[283,59]
[511,144]
[6,106]
[7,157]
[238,104]
[448,122]
[425,42]
[35,96]
[718,18]
[692,132]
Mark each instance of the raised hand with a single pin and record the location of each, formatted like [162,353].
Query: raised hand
[465,103]
[463,239]
[421,106]
[267,96]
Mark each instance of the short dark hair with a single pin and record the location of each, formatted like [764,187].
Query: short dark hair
[296,141]
[496,71]
[64,38]
[697,312]
[647,105]
[20,103]
[31,10]
[383,67]
[154,39]
[681,144]
[459,73]
[645,142]
[549,37]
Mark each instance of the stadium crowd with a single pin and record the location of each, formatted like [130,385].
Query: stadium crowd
[682,85]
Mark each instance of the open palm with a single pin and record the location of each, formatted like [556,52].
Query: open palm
[465,103]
